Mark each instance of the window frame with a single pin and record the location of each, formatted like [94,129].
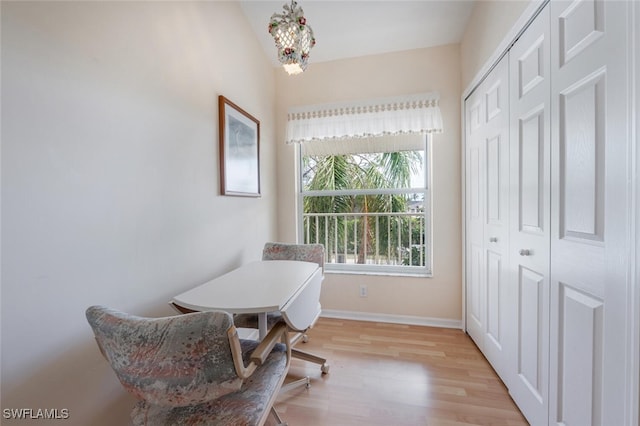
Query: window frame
[369,269]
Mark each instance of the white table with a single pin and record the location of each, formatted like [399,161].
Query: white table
[257,287]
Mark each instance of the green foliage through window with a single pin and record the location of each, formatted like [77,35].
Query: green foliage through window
[366,208]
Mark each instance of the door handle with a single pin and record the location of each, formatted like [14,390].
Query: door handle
[525,252]
[493,239]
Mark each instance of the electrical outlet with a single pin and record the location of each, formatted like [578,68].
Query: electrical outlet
[363,290]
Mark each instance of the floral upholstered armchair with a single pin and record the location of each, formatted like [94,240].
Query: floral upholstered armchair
[192,369]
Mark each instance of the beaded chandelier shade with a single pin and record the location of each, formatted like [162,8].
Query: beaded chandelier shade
[294,38]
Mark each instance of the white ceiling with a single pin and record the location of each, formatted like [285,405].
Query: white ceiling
[345,29]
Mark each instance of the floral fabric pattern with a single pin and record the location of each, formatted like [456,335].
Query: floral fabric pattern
[181,368]
[249,406]
[303,252]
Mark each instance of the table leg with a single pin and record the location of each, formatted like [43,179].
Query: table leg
[262,324]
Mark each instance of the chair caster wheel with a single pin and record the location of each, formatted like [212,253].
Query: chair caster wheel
[324,368]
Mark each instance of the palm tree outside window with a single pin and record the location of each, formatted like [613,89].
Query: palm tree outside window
[364,181]
[368,203]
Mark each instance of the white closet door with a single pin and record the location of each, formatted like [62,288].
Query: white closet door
[590,151]
[487,158]
[530,217]
[475,111]
[496,222]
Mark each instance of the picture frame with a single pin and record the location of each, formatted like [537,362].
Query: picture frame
[239,150]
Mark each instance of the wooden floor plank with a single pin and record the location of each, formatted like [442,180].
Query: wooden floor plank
[390,374]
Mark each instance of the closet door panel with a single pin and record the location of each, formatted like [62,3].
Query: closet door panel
[494,277]
[580,357]
[532,190]
[530,216]
[475,295]
[590,208]
[475,216]
[487,217]
[531,64]
[531,333]
[579,25]
[495,175]
[496,146]
[581,168]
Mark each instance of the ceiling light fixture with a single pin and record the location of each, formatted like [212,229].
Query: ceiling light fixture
[294,38]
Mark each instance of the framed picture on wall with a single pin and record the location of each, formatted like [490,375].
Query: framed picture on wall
[239,150]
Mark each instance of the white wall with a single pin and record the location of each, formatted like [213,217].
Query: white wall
[409,72]
[489,23]
[110,189]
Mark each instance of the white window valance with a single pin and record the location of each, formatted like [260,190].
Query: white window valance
[413,114]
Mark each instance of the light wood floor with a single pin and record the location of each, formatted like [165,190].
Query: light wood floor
[395,375]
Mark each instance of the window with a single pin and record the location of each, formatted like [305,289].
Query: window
[367,200]
[364,181]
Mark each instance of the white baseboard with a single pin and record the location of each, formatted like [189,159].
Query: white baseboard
[395,319]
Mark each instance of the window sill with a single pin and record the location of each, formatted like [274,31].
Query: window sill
[378,273]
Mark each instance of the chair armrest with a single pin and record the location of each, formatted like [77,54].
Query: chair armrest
[259,354]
